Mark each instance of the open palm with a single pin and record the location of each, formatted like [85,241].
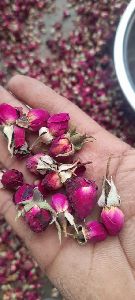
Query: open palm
[105,270]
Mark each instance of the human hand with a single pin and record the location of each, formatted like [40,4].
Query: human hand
[105,270]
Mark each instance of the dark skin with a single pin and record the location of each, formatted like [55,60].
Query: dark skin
[106,270]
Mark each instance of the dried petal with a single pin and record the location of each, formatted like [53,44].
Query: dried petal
[37,118]
[19,137]
[9,134]
[8,114]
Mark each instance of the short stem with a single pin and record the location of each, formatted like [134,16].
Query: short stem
[35,143]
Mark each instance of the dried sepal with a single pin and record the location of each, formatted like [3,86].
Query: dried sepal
[66,171]
[109,196]
[8,131]
[78,139]
[46,163]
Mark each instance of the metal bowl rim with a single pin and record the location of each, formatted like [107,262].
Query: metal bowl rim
[119,54]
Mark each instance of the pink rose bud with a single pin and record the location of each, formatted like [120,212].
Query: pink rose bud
[50,182]
[24,192]
[8,114]
[92,231]
[95,231]
[38,219]
[113,219]
[12,179]
[82,194]
[58,124]
[60,204]
[37,118]
[61,147]
[40,163]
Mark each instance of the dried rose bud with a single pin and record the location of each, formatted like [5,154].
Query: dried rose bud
[93,231]
[38,219]
[32,206]
[61,146]
[50,182]
[45,136]
[82,195]
[54,180]
[32,162]
[113,219]
[41,163]
[8,114]
[60,204]
[58,124]
[24,192]
[37,118]
[12,179]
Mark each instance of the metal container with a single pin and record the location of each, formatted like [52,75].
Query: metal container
[124,53]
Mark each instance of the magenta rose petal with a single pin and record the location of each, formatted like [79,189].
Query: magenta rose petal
[19,136]
[8,114]
[37,118]
[58,124]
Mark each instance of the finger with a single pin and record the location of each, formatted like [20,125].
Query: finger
[35,94]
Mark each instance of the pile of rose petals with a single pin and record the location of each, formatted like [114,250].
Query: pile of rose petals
[93,86]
